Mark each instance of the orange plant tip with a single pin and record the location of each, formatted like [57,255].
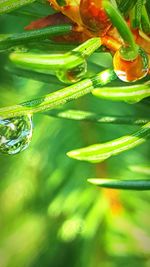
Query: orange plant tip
[131,71]
[94,16]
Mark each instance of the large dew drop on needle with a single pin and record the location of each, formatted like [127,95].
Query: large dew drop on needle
[15,134]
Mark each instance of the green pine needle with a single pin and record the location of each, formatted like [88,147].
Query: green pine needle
[121,184]
[131,94]
[100,152]
[7,6]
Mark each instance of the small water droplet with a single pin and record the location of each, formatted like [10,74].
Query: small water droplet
[131,71]
[15,134]
[72,75]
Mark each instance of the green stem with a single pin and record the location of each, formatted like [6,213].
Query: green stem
[130,51]
[9,40]
[100,152]
[55,99]
[46,62]
[80,115]
[121,184]
[7,6]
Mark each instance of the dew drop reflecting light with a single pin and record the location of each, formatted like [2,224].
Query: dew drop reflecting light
[72,75]
[131,71]
[105,77]
[15,134]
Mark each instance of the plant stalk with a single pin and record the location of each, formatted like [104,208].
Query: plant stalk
[60,97]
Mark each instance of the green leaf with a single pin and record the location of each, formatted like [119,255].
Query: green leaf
[140,169]
[145,21]
[41,77]
[7,6]
[35,10]
[59,97]
[126,5]
[100,152]
[135,14]
[121,184]
[131,94]
[81,115]
[9,40]
[39,61]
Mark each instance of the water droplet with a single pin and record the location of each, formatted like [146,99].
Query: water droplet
[94,16]
[15,134]
[72,75]
[131,71]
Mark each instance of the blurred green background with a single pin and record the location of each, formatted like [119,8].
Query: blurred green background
[50,215]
